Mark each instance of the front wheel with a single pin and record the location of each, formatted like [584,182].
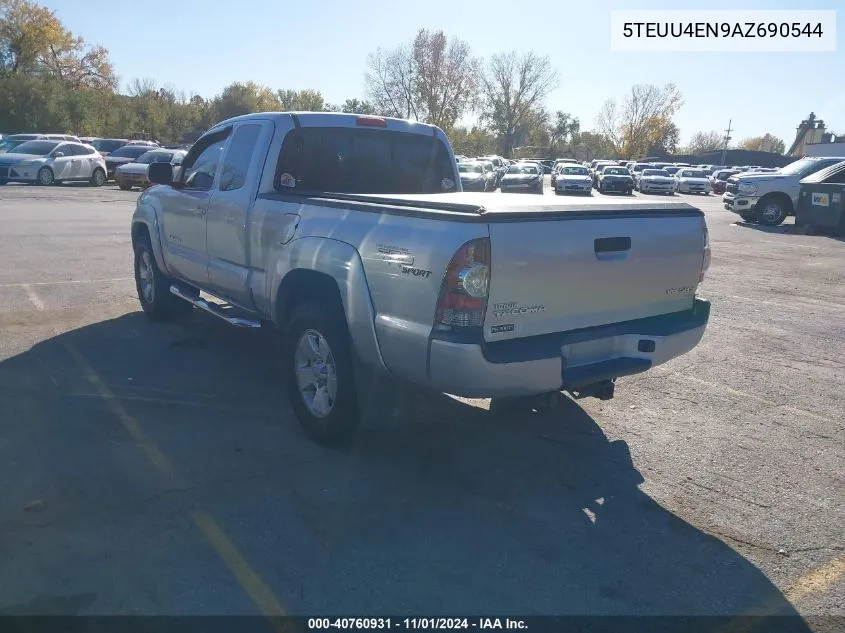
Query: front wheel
[748,217]
[46,176]
[98,178]
[771,212]
[321,374]
[153,286]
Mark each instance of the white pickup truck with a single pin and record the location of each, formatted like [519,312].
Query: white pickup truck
[768,198]
[350,236]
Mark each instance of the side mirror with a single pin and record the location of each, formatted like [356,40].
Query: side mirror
[58,154]
[161,173]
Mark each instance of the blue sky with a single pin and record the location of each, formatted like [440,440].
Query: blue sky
[200,46]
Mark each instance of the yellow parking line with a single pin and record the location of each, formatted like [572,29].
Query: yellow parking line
[817,580]
[246,576]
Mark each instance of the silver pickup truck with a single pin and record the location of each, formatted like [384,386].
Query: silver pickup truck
[350,236]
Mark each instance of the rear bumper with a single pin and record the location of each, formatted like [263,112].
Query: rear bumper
[564,360]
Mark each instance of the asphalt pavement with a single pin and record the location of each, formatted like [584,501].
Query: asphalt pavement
[157,468]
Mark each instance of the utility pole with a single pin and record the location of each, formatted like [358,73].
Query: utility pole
[727,138]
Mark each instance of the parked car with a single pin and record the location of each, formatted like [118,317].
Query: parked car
[617,179]
[135,174]
[692,181]
[571,178]
[596,170]
[719,179]
[11,141]
[122,155]
[769,198]
[636,169]
[415,281]
[715,168]
[108,145]
[656,181]
[523,178]
[474,177]
[673,169]
[51,162]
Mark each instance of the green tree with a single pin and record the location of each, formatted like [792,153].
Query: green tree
[307,100]
[244,98]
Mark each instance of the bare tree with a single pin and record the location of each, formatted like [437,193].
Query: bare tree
[643,121]
[514,88]
[432,79]
[390,82]
[703,142]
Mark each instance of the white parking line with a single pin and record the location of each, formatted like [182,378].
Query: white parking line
[64,281]
[33,298]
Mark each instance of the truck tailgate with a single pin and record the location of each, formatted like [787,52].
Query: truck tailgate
[567,273]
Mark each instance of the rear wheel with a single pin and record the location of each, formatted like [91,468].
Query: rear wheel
[320,373]
[98,178]
[748,217]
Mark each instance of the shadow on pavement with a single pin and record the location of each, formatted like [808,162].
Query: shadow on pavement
[443,508]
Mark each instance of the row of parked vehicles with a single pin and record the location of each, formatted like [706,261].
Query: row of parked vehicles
[488,173]
[48,159]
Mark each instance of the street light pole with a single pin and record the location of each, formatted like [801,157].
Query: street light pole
[727,138]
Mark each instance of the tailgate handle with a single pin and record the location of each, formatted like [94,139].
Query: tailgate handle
[612,244]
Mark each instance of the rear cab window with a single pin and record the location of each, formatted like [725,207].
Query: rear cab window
[363,160]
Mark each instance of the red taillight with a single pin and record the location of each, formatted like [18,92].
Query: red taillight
[371,121]
[466,285]
[705,263]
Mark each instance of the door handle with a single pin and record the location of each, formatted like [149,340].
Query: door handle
[199,211]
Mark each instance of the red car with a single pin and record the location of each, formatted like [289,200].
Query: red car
[719,179]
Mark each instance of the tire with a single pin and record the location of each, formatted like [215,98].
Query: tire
[153,286]
[125,187]
[98,178]
[316,347]
[46,177]
[748,217]
[771,211]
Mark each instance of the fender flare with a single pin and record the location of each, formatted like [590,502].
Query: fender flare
[342,263]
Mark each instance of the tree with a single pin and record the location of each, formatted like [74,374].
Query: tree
[765,143]
[357,106]
[474,141]
[563,128]
[242,98]
[390,82]
[33,41]
[433,79]
[446,78]
[514,88]
[643,121]
[307,100]
[703,142]
[591,145]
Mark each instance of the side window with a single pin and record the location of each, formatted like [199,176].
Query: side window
[822,164]
[200,165]
[63,149]
[238,157]
[78,150]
